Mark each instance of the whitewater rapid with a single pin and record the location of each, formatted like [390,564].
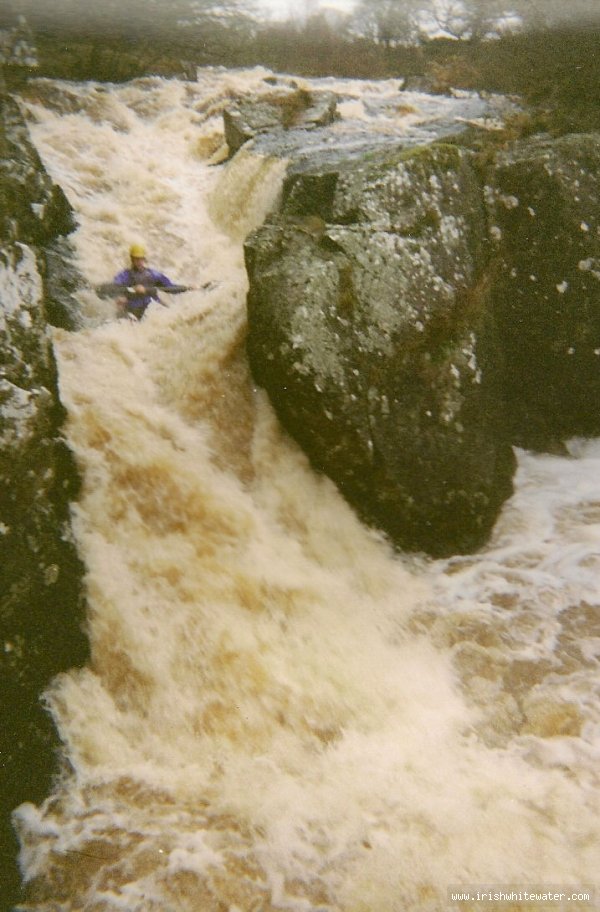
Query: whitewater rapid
[280,712]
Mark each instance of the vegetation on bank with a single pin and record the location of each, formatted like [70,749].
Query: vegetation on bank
[552,62]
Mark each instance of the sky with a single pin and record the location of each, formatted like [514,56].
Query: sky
[282,9]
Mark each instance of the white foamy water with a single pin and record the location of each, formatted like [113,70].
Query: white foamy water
[279,712]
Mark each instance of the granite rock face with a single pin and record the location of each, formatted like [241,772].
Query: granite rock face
[284,108]
[34,210]
[415,315]
[371,327]
[545,221]
[40,575]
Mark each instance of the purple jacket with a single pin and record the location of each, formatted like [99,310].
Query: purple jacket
[146,276]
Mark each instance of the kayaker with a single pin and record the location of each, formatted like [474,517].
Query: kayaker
[142,283]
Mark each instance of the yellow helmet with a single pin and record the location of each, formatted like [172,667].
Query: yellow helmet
[137,250]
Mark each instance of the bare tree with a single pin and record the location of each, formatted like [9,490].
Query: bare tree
[479,19]
[553,13]
[475,19]
[448,18]
[390,22]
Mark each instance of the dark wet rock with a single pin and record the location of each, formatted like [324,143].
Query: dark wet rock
[282,110]
[34,209]
[545,214]
[371,327]
[415,312]
[40,575]
[62,280]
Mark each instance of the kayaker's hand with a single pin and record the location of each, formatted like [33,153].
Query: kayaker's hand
[139,289]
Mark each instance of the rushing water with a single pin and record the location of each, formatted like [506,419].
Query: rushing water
[279,712]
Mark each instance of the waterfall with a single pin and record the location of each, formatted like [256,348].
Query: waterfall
[279,711]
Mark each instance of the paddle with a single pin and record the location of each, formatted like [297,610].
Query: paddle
[110,290]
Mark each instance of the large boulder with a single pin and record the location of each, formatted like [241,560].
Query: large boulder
[544,198]
[371,327]
[283,108]
[40,574]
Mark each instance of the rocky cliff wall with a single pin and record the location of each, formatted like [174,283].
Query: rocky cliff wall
[40,575]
